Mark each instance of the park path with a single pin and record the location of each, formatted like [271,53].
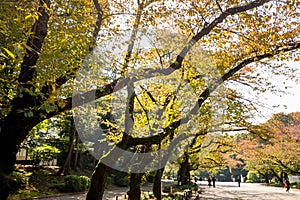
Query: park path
[247,191]
[222,191]
[110,194]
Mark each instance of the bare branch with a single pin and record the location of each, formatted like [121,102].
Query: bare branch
[218,4]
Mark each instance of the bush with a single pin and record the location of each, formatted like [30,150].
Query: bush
[150,177]
[74,183]
[38,176]
[121,180]
[253,177]
[59,186]
[17,180]
[295,184]
[85,183]
[44,153]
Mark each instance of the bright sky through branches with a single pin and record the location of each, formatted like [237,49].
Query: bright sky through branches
[287,101]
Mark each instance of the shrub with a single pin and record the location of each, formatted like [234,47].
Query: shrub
[121,180]
[74,183]
[85,183]
[252,177]
[44,153]
[295,184]
[17,180]
[150,177]
[38,176]
[59,186]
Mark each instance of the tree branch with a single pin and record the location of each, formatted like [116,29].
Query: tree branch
[28,67]
[47,89]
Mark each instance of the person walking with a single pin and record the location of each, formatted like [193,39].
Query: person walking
[214,181]
[209,181]
[239,181]
[287,185]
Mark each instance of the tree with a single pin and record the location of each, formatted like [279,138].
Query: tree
[273,146]
[44,43]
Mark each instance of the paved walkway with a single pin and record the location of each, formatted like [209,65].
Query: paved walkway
[247,191]
[110,194]
[223,191]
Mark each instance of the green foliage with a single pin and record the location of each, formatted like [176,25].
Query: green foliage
[275,183]
[17,180]
[253,177]
[59,186]
[121,179]
[150,177]
[295,185]
[44,153]
[29,194]
[38,176]
[74,183]
[85,183]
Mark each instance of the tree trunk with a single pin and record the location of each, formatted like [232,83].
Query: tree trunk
[134,192]
[12,133]
[66,166]
[75,161]
[7,161]
[98,182]
[101,172]
[157,190]
[184,171]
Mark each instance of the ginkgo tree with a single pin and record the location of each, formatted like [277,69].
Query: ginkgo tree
[45,44]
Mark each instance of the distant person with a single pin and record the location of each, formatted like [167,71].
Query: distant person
[239,181]
[287,185]
[209,181]
[214,181]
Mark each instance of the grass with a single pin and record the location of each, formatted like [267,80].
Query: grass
[25,193]
[42,184]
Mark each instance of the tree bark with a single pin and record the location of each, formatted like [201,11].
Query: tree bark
[184,171]
[13,132]
[157,190]
[75,161]
[134,192]
[66,165]
[14,127]
[98,182]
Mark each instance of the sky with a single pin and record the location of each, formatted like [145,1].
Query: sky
[275,103]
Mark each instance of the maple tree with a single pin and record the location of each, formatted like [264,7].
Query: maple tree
[273,146]
[44,45]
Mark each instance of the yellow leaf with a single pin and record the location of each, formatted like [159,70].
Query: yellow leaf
[9,53]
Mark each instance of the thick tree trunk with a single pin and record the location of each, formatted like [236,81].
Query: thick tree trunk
[157,190]
[101,172]
[184,171]
[15,126]
[134,192]
[13,132]
[98,182]
[7,161]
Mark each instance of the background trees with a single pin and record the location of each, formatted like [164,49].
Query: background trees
[44,44]
[273,147]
